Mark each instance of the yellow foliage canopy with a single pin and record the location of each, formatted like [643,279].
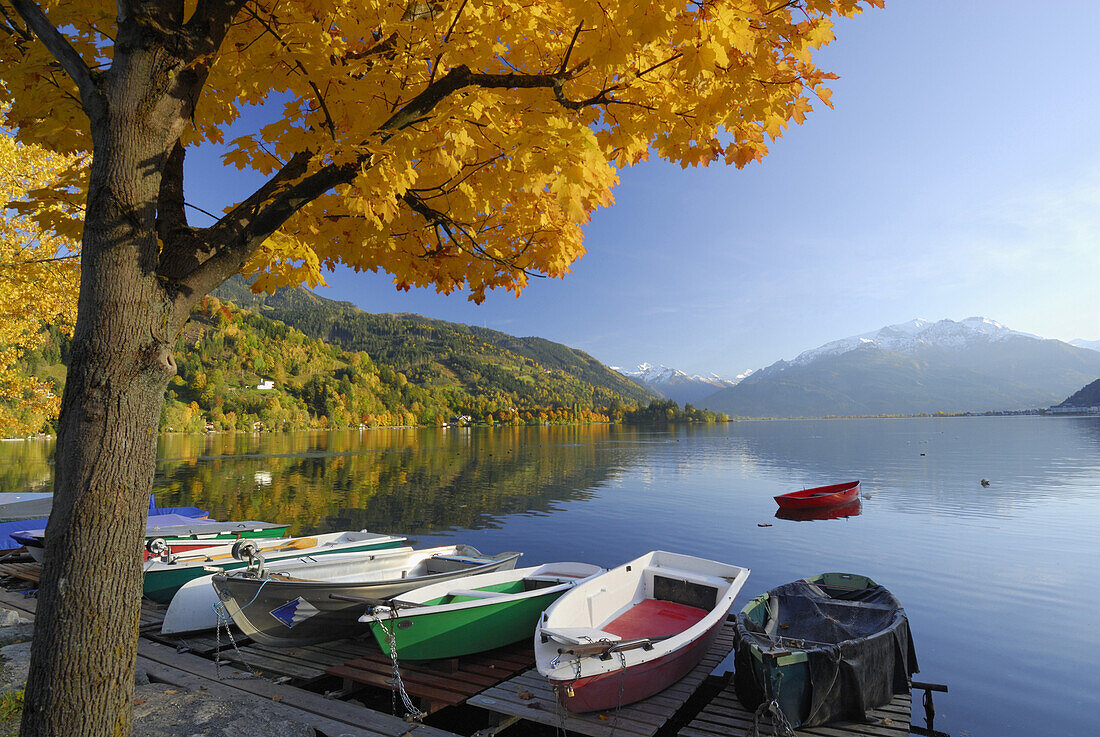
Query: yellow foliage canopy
[38,279]
[481,135]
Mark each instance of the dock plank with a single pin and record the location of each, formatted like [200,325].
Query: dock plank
[433,686]
[186,669]
[529,696]
[378,723]
[725,715]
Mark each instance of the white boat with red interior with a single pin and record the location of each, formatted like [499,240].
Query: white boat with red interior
[635,630]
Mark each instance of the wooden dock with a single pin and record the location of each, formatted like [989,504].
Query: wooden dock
[435,685]
[530,697]
[501,682]
[725,715]
[187,670]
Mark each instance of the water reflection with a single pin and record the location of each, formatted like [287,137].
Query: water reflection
[412,481]
[922,463]
[850,509]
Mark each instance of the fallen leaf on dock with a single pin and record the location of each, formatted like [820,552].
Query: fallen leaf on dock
[534,705]
[170,690]
[139,702]
[525,694]
[604,717]
[276,699]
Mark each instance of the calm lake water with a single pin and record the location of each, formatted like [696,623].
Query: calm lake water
[999,582]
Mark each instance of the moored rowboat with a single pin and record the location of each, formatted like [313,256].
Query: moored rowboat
[163,579]
[176,528]
[823,649]
[819,496]
[472,614]
[634,630]
[308,602]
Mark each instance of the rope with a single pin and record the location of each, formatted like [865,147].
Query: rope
[780,726]
[397,685]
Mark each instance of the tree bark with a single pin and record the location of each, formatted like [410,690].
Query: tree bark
[81,679]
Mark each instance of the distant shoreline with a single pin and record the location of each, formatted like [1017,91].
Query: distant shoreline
[1085,412]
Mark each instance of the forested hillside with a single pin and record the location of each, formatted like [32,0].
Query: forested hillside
[242,370]
[439,352]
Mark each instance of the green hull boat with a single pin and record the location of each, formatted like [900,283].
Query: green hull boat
[163,580]
[472,614]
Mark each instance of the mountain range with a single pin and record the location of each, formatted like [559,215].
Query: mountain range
[680,387]
[1092,345]
[916,367]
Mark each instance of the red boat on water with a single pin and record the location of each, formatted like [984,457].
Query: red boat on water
[819,496]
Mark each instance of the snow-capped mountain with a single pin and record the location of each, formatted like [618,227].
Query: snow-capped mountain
[1092,345]
[677,385]
[919,366]
[909,336]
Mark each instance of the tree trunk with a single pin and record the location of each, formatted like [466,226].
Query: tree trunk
[82,660]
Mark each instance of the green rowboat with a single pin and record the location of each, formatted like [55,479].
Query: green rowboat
[472,614]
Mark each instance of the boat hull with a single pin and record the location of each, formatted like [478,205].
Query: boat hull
[820,496]
[602,692]
[460,623]
[292,613]
[826,648]
[162,581]
[635,630]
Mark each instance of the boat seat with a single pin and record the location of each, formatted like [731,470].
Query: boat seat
[475,593]
[690,576]
[578,635]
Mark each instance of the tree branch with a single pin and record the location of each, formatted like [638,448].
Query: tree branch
[236,235]
[59,46]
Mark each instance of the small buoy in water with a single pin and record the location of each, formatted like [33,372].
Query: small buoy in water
[763,524]
[866,496]
[985,482]
[922,453]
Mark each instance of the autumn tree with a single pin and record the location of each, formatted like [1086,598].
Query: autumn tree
[452,143]
[38,276]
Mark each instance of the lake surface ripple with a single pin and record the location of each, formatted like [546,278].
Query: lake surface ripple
[998,581]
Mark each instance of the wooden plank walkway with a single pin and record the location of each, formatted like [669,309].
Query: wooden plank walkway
[166,664]
[725,716]
[530,697]
[438,684]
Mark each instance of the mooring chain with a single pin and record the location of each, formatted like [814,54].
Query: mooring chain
[397,685]
[622,683]
[224,620]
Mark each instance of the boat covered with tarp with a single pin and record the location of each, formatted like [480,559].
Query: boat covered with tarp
[823,649]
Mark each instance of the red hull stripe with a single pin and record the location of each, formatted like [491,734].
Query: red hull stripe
[601,692]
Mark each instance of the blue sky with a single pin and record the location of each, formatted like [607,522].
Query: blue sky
[958,174]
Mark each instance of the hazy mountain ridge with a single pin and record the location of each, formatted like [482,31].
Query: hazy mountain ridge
[916,367]
[1092,345]
[677,385]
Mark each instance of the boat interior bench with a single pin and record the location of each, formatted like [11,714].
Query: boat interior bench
[685,587]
